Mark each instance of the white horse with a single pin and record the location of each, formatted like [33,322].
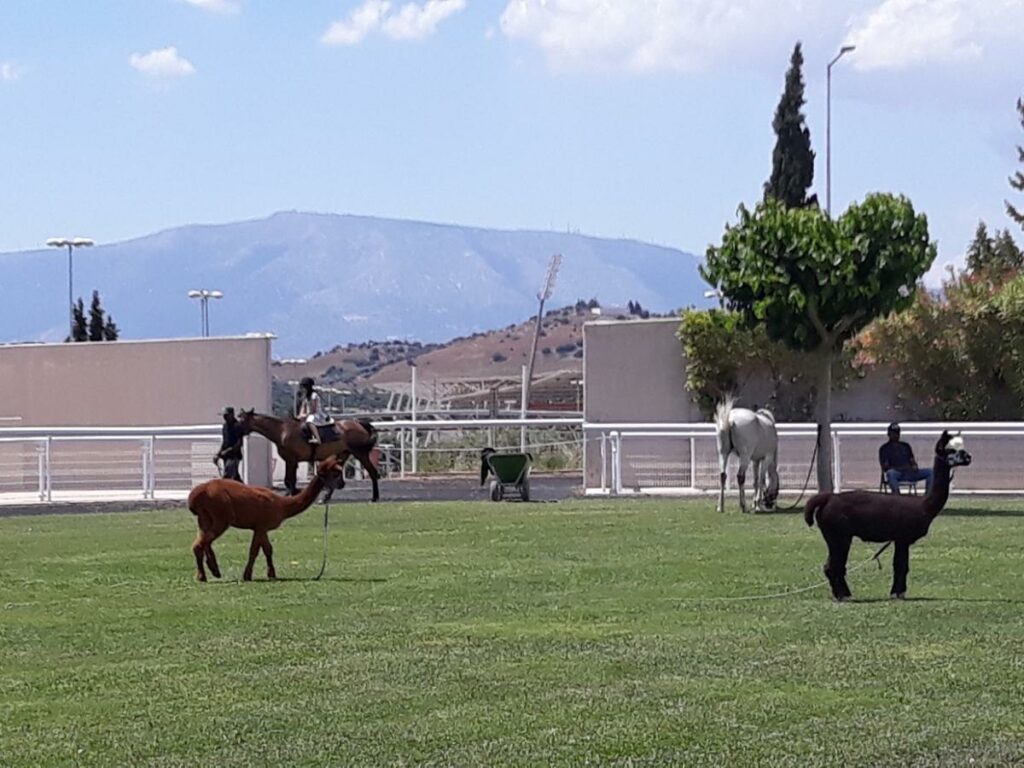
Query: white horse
[752,437]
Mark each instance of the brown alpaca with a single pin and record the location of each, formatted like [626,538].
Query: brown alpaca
[355,438]
[222,504]
[883,517]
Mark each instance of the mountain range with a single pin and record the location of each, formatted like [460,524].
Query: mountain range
[317,280]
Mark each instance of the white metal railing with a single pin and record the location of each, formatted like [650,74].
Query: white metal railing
[997,447]
[618,457]
[45,459]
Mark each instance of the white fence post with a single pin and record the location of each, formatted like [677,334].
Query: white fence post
[837,462]
[41,460]
[693,463]
[604,462]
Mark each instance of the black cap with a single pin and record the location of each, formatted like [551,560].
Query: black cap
[229,410]
[307,381]
[894,427]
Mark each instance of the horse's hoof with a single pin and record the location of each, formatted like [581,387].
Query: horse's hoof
[246,577]
[842,598]
[200,577]
[215,572]
[898,596]
[272,576]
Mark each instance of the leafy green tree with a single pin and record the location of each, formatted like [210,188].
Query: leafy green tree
[723,357]
[1017,179]
[814,283]
[959,353]
[792,158]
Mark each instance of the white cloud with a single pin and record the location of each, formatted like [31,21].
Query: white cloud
[414,22]
[216,6]
[899,34]
[643,36]
[361,22]
[411,21]
[163,62]
[661,35]
[9,71]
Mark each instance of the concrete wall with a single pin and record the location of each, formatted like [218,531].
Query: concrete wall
[634,372]
[138,383]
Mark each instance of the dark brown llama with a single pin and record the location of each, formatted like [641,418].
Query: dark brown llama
[221,504]
[883,517]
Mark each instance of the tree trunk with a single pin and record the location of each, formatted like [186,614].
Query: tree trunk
[823,413]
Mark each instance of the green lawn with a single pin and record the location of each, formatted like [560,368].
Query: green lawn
[507,634]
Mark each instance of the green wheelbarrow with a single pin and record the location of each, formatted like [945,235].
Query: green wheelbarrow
[510,473]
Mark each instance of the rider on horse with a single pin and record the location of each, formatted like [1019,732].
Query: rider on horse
[311,411]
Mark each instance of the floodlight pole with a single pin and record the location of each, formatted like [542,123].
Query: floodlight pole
[70,243]
[542,296]
[828,127]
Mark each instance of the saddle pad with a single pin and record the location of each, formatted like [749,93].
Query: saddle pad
[329,433]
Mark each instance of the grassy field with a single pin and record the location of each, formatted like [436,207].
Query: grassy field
[588,632]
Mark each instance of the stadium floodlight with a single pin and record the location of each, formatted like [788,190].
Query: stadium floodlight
[204,297]
[70,243]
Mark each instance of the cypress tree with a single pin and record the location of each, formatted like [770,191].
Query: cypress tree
[1017,180]
[110,330]
[96,318]
[792,158]
[79,327]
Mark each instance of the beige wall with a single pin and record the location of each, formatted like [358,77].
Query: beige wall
[634,372]
[176,382]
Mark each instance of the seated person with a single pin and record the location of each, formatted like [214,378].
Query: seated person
[898,463]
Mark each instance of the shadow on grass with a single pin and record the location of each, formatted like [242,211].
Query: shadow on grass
[992,600]
[224,582]
[340,579]
[982,512]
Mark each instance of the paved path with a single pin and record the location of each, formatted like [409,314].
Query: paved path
[449,488]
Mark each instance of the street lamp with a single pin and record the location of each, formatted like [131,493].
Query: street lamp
[204,297]
[70,243]
[828,127]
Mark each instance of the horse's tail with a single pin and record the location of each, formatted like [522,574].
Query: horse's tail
[815,503]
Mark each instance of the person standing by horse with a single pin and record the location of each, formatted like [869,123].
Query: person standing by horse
[230,445]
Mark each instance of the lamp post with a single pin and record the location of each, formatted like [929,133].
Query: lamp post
[204,297]
[828,127]
[70,243]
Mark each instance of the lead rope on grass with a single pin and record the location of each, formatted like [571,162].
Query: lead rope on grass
[323,563]
[776,595]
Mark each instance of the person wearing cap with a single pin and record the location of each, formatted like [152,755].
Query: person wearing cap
[230,445]
[898,462]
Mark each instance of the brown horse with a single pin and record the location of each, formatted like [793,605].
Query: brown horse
[221,504]
[354,438]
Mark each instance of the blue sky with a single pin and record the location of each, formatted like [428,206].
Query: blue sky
[649,119]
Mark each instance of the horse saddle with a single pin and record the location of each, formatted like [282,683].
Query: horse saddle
[329,432]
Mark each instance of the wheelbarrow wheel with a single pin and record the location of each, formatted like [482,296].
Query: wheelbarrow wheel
[495,491]
[524,489]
